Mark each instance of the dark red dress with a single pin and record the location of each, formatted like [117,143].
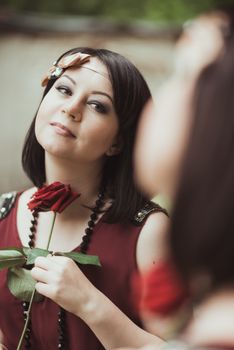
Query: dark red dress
[115,244]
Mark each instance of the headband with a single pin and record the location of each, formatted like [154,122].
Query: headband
[59,66]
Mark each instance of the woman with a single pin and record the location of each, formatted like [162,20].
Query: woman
[83,135]
[204,196]
[201,188]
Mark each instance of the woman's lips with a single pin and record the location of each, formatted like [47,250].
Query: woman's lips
[62,130]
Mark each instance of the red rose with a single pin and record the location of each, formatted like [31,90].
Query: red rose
[55,197]
[161,290]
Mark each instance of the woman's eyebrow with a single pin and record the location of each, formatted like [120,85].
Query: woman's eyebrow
[67,76]
[93,92]
[104,94]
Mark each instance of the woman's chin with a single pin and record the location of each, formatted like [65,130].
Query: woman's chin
[56,151]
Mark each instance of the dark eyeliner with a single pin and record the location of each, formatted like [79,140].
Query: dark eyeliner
[100,107]
[64,89]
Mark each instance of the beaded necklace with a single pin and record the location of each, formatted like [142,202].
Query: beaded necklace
[62,340]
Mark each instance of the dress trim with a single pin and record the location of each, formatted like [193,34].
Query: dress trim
[7,201]
[148,208]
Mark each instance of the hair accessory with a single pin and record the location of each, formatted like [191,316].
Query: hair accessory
[75,59]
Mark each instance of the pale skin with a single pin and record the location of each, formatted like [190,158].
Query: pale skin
[165,132]
[165,127]
[212,323]
[2,347]
[77,126]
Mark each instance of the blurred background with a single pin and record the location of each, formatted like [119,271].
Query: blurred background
[34,33]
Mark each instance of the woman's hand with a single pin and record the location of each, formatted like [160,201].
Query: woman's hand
[61,280]
[201,42]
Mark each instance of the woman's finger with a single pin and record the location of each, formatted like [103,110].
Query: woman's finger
[40,274]
[45,289]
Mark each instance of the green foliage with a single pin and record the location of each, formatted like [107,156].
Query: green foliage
[19,280]
[166,10]
[33,253]
[11,257]
[83,259]
[21,284]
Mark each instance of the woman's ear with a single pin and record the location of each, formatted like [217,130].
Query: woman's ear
[115,148]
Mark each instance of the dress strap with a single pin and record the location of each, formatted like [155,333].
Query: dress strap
[144,212]
[7,201]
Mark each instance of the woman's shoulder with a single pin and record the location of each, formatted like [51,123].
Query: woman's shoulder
[153,218]
[147,209]
[153,238]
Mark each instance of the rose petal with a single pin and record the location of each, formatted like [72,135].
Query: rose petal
[54,197]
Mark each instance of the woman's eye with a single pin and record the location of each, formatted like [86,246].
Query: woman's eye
[98,107]
[65,90]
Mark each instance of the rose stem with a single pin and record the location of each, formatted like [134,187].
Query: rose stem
[34,291]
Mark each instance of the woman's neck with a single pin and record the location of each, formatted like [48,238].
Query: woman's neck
[213,321]
[84,178]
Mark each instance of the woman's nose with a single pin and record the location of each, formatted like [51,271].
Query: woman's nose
[76,116]
[73,111]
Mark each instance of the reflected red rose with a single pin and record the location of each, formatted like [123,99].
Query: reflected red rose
[55,197]
[161,290]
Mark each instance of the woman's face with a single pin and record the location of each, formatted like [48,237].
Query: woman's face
[77,120]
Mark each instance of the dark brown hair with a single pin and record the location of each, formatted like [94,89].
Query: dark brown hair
[202,235]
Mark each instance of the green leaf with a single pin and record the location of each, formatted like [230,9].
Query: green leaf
[11,257]
[20,250]
[33,253]
[21,284]
[82,258]
[26,250]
